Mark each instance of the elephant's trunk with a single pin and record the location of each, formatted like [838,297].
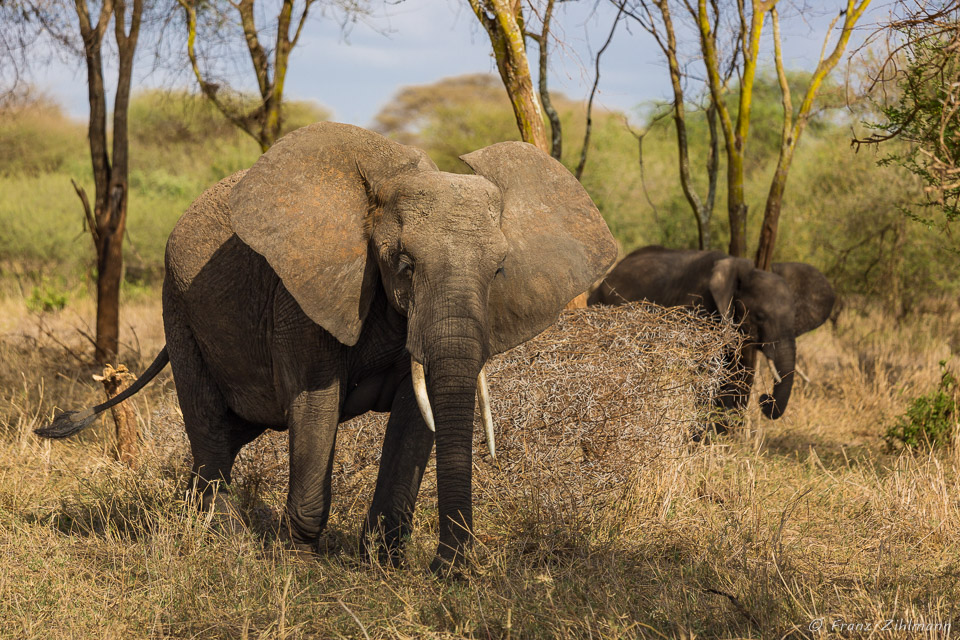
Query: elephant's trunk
[784,360]
[452,382]
[419,378]
[453,343]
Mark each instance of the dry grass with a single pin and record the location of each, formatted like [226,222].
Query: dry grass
[580,533]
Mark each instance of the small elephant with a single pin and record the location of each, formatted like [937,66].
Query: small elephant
[344,273]
[770,308]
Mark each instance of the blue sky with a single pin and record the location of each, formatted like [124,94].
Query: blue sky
[420,41]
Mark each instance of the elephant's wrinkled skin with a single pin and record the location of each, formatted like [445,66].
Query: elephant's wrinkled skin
[771,308]
[296,293]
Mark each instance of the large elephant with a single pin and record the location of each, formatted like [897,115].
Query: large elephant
[343,273]
[771,308]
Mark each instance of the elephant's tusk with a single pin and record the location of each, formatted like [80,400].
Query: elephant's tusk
[420,391]
[486,414]
[773,369]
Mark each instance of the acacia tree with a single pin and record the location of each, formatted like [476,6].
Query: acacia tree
[543,43]
[659,24]
[81,27]
[736,132]
[920,78]
[108,219]
[793,126]
[578,172]
[503,21]
[747,19]
[210,38]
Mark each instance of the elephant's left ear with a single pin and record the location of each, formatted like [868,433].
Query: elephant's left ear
[559,244]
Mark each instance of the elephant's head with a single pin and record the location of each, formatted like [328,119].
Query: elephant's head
[763,305]
[477,263]
[813,297]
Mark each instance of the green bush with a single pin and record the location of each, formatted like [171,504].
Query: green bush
[179,145]
[36,137]
[46,296]
[931,419]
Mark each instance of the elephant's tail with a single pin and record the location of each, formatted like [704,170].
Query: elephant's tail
[68,423]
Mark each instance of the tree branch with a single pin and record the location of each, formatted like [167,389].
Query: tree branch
[87,211]
[593,91]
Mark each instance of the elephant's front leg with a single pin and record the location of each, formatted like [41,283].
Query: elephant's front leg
[313,419]
[406,449]
[735,391]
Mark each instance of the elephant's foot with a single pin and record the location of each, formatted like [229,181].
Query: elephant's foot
[384,540]
[449,562]
[312,543]
[455,540]
[215,503]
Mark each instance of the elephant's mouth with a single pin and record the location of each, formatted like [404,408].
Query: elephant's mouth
[419,377]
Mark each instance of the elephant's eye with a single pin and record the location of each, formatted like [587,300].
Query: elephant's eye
[501,272]
[404,265]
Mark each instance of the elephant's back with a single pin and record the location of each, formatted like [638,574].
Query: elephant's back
[668,277]
[201,232]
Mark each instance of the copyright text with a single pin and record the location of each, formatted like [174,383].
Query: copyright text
[841,626]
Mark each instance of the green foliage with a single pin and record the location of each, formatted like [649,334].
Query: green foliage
[766,114]
[174,119]
[179,146]
[457,115]
[932,419]
[450,117]
[300,113]
[47,296]
[36,137]
[924,115]
[843,214]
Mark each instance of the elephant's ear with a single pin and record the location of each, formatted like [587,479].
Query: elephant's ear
[724,281]
[558,244]
[303,206]
[813,297]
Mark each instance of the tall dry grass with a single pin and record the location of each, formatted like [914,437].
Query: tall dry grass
[755,535]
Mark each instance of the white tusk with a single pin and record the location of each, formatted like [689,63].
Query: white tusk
[420,391]
[486,414]
[773,369]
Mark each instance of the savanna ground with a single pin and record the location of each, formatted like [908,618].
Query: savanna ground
[755,535]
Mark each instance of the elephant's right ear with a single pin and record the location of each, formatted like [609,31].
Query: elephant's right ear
[813,297]
[303,206]
[724,280]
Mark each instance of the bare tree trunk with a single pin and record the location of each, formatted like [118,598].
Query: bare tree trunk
[792,131]
[503,22]
[109,214]
[771,216]
[713,171]
[542,40]
[128,447]
[109,276]
[593,91]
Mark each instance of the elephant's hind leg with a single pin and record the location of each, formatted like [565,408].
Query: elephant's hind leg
[215,432]
[312,418]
